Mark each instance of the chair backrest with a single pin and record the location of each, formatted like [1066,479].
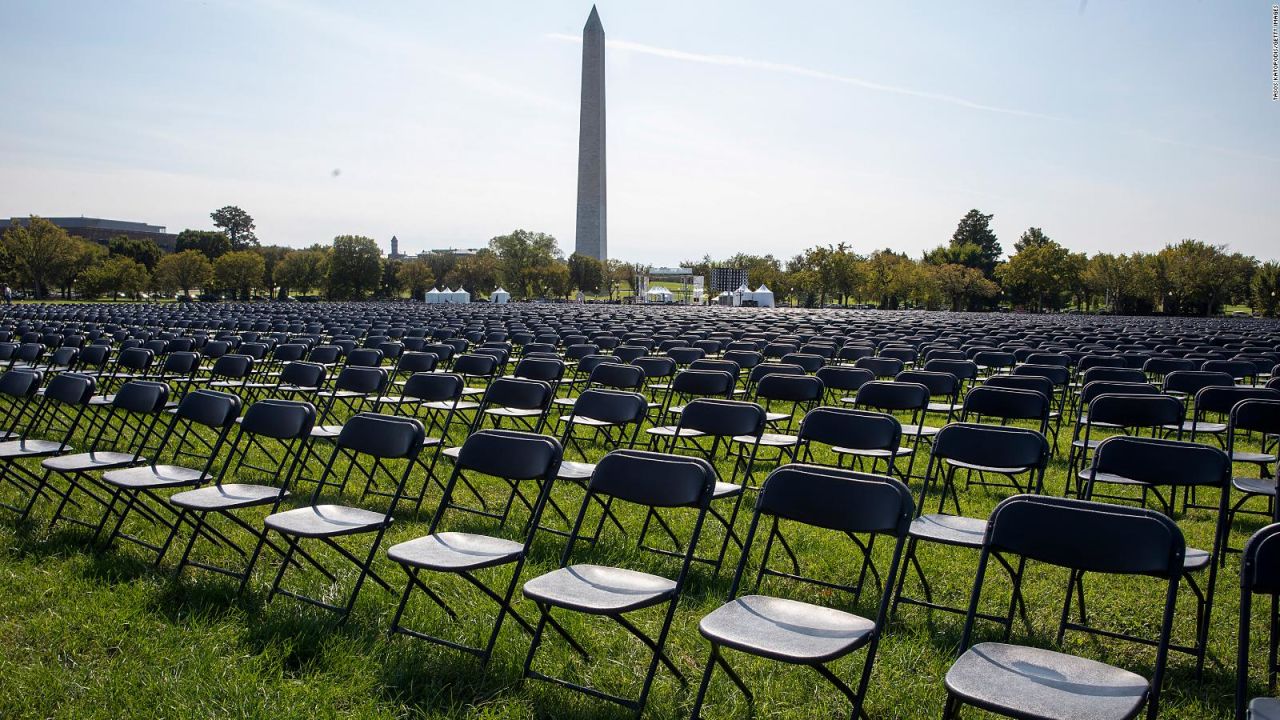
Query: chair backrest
[232,366]
[843,377]
[1156,461]
[141,396]
[849,428]
[1034,383]
[612,406]
[545,369]
[20,383]
[279,419]
[1006,404]
[1223,399]
[303,374]
[518,393]
[359,379]
[70,388]
[1059,375]
[1191,382]
[325,354]
[1114,374]
[653,479]
[382,436]
[1259,575]
[940,384]
[416,362]
[1260,415]
[135,358]
[703,382]
[617,376]
[510,454]
[893,396]
[962,369]
[475,364]
[837,499]
[213,409]
[723,418]
[434,387]
[790,388]
[1136,411]
[992,446]
[883,367]
[1106,387]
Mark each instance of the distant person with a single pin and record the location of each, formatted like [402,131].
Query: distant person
[8,295]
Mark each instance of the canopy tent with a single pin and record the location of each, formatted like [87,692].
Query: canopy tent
[742,294]
[500,296]
[763,296]
[433,297]
[461,296]
[659,294]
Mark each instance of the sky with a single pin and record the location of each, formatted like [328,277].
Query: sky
[733,125]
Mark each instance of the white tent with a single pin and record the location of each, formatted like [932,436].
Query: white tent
[461,296]
[724,298]
[659,294]
[742,294]
[763,296]
[500,297]
[433,296]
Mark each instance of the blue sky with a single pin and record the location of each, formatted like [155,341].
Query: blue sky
[733,125]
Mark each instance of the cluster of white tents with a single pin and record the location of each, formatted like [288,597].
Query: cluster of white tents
[762,296]
[436,296]
[658,294]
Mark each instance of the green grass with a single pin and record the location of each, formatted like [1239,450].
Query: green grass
[92,632]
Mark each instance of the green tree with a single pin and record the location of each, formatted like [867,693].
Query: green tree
[1266,289]
[961,285]
[390,285]
[355,267]
[975,229]
[303,270]
[84,255]
[271,257]
[524,259]
[238,226]
[115,276]
[211,243]
[415,275]
[1202,277]
[585,273]
[240,271]
[37,253]
[144,250]
[1040,272]
[477,273]
[185,271]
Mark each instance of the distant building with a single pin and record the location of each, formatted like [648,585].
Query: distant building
[395,249]
[102,231]
[457,252]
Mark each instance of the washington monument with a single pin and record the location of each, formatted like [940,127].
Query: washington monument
[592,228]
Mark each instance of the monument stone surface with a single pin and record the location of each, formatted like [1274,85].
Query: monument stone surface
[592,227]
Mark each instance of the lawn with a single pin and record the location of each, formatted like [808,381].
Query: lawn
[93,632]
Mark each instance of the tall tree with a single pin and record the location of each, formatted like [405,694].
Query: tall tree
[355,267]
[415,275]
[185,271]
[303,270]
[524,258]
[212,243]
[117,275]
[1266,289]
[237,224]
[84,255]
[271,257]
[37,253]
[477,273]
[1040,272]
[240,271]
[975,229]
[390,286]
[585,273]
[143,250]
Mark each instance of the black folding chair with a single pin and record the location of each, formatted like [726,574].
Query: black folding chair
[367,437]
[276,428]
[1259,575]
[140,486]
[54,422]
[1152,465]
[523,402]
[848,503]
[987,450]
[515,457]
[1026,682]
[641,478]
[891,397]
[118,441]
[1263,417]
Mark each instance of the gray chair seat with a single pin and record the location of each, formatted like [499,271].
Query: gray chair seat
[512,412]
[88,462]
[941,407]
[1210,428]
[450,405]
[1255,486]
[1264,708]
[571,470]
[870,452]
[925,430]
[296,389]
[1022,681]
[599,589]
[472,391]
[226,497]
[769,439]
[786,630]
[949,529]
[325,521]
[453,551]
[724,490]
[1109,478]
[154,476]
[565,402]
[670,431]
[1252,457]
[326,432]
[101,400]
[585,421]
[452,453]
[773,417]
[1195,559]
[986,468]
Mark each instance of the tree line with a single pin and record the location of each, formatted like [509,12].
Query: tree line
[1188,277]
[965,273]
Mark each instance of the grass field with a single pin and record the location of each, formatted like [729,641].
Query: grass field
[91,632]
